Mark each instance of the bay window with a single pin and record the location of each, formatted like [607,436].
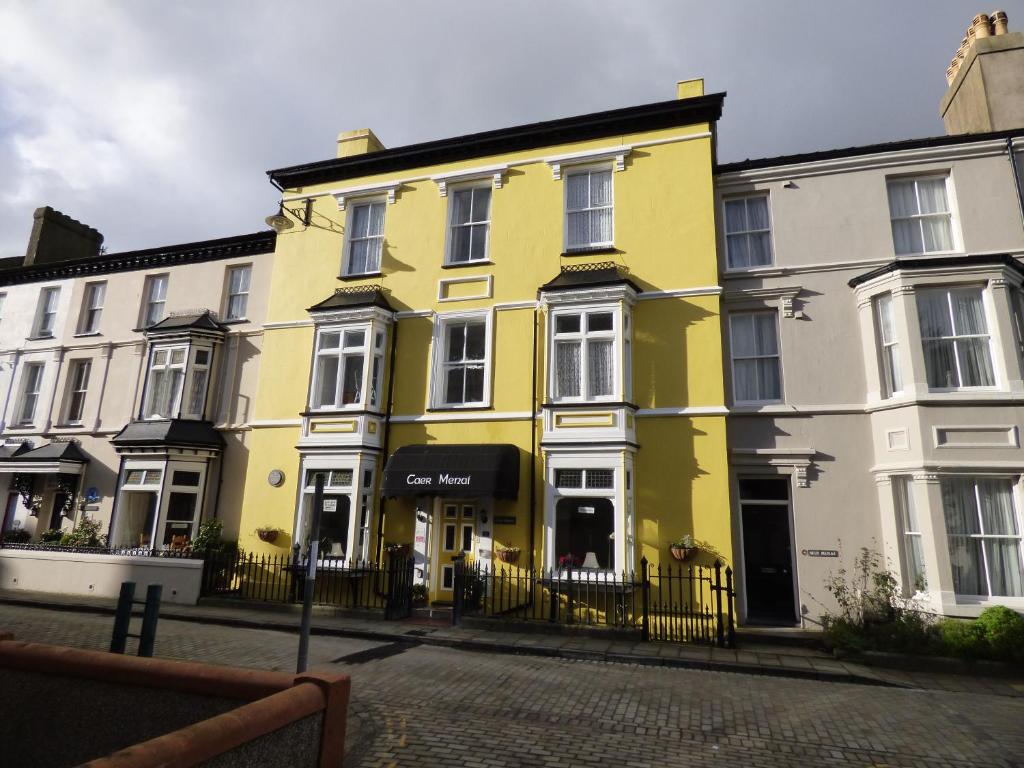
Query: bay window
[747,232]
[588,209]
[920,214]
[348,367]
[984,537]
[892,377]
[177,382]
[470,214]
[756,366]
[586,344]
[910,534]
[365,240]
[589,515]
[955,337]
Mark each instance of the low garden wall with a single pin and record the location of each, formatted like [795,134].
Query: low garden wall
[65,707]
[99,575]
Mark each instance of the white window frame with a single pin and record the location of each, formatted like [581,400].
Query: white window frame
[169,350]
[778,356]
[372,353]
[729,267]
[1015,503]
[229,273]
[954,228]
[619,335]
[185,408]
[889,350]
[46,312]
[150,300]
[577,170]
[358,495]
[77,388]
[93,297]
[905,507]
[948,290]
[32,375]
[438,378]
[452,226]
[622,504]
[198,491]
[350,240]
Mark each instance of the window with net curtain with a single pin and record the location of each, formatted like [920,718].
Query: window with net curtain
[984,536]
[892,378]
[747,232]
[913,547]
[954,334]
[166,380]
[756,374]
[340,362]
[470,224]
[465,361]
[921,219]
[239,279]
[584,352]
[365,238]
[588,209]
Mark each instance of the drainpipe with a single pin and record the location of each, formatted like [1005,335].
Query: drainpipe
[1016,178]
[533,444]
[387,435]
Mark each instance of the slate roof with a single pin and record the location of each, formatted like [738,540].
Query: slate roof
[175,432]
[589,276]
[351,298]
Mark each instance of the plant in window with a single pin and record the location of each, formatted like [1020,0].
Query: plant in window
[570,560]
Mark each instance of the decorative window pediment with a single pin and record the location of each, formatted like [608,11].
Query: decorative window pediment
[496,173]
[387,189]
[617,155]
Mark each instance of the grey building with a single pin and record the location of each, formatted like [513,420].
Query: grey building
[873,316]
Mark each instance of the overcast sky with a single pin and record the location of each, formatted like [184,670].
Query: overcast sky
[155,121]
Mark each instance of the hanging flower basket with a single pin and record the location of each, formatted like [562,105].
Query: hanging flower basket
[682,553]
[268,535]
[510,555]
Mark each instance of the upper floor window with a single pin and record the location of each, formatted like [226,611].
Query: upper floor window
[588,209]
[78,386]
[349,363]
[955,337]
[756,368]
[165,382]
[155,301]
[921,218]
[32,385]
[747,232]
[984,536]
[195,407]
[585,344]
[365,238]
[892,379]
[92,307]
[462,371]
[470,211]
[237,302]
[46,313]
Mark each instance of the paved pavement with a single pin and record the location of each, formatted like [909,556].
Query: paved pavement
[425,705]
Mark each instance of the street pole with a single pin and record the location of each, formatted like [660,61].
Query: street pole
[307,593]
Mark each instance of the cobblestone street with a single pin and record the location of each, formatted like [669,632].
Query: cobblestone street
[417,705]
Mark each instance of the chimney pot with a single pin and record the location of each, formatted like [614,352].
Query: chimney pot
[981,26]
[1000,23]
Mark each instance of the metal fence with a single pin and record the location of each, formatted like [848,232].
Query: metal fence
[339,582]
[675,603]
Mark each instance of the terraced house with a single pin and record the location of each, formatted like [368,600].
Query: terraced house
[503,340]
[126,382]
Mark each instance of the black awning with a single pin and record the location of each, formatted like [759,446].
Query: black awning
[458,471]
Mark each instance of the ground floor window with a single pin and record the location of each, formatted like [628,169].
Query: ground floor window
[984,536]
[159,505]
[910,534]
[342,535]
[585,533]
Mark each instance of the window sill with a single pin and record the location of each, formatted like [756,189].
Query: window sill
[72,425]
[22,427]
[591,404]
[48,337]
[752,270]
[597,250]
[355,410]
[235,321]
[463,264]
[86,334]
[361,276]
[457,408]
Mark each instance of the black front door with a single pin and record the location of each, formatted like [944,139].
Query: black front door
[56,516]
[767,554]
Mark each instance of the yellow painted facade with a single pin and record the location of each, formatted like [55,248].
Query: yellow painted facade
[664,438]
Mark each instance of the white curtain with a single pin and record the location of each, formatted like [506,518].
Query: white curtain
[567,368]
[906,233]
[601,199]
[754,336]
[198,393]
[367,222]
[974,354]
[588,202]
[890,349]
[600,367]
[577,199]
[736,238]
[759,239]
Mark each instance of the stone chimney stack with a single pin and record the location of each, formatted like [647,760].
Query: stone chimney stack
[985,78]
[56,237]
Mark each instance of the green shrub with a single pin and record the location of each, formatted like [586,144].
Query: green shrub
[964,639]
[51,536]
[1003,630]
[85,534]
[209,535]
[17,536]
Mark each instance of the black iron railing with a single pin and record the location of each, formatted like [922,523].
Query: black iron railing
[339,582]
[123,551]
[674,603]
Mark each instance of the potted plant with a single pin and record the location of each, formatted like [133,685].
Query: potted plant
[507,554]
[683,548]
[395,549]
[569,561]
[268,533]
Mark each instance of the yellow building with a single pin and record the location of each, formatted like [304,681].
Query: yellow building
[504,340]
